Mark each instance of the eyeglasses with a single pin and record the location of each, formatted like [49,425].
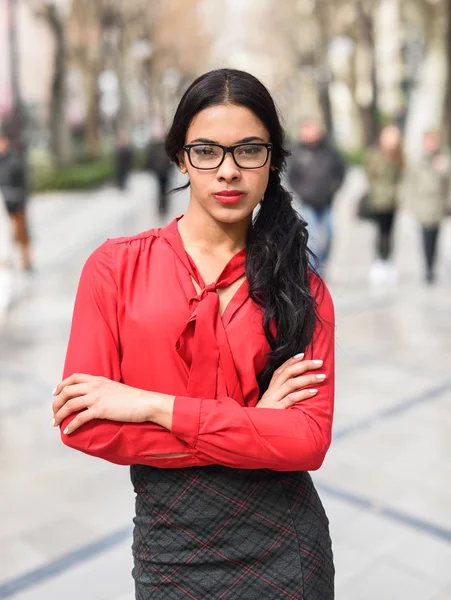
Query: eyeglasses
[211,156]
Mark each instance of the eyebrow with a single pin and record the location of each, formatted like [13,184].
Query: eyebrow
[246,140]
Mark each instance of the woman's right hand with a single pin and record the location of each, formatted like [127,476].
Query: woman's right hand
[292,382]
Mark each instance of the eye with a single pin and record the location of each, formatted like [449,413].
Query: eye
[253,150]
[205,150]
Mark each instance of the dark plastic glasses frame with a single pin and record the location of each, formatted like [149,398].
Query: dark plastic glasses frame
[225,150]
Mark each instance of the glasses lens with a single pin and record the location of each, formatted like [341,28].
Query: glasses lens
[206,157]
[250,156]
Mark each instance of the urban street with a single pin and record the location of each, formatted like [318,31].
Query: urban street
[66,518]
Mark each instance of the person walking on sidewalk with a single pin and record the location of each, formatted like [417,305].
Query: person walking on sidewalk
[6,250]
[159,164]
[428,194]
[384,168]
[315,174]
[193,357]
[122,159]
[13,185]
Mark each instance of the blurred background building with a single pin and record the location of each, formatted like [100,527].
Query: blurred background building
[87,69]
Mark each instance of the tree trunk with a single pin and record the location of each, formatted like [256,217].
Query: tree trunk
[323,70]
[92,124]
[427,109]
[368,110]
[59,128]
[124,118]
[16,118]
[447,111]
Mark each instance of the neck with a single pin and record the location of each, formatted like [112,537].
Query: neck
[198,228]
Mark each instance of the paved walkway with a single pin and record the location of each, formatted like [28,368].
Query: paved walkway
[65,518]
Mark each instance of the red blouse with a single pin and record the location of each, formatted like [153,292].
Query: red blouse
[138,319]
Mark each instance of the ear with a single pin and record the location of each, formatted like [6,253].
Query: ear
[181,161]
[272,168]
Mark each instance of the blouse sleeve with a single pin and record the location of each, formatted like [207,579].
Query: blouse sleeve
[94,349]
[226,433]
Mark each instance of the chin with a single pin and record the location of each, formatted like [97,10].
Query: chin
[231,214]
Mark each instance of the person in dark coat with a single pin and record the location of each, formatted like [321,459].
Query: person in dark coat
[6,251]
[13,186]
[159,164]
[315,174]
[123,160]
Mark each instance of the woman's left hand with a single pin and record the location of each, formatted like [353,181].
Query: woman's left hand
[99,398]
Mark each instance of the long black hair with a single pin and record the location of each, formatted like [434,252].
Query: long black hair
[277,258]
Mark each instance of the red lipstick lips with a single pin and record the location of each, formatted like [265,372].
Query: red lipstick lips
[229,196]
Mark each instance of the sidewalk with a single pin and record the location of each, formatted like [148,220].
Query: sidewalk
[66,518]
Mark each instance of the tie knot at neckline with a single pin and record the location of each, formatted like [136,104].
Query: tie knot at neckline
[204,292]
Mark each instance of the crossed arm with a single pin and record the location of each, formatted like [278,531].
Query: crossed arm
[289,429]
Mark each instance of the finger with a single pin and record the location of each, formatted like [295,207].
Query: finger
[296,397]
[71,406]
[291,361]
[69,392]
[71,380]
[84,417]
[296,383]
[296,369]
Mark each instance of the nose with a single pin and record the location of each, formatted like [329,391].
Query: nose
[228,171]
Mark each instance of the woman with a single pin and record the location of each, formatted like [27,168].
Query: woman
[13,185]
[192,348]
[384,166]
[428,185]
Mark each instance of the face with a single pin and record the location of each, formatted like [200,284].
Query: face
[431,143]
[390,139]
[4,144]
[226,125]
[310,132]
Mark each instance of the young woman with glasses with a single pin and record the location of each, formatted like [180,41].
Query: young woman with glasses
[202,354]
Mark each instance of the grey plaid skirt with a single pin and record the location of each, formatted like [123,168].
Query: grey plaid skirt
[214,533]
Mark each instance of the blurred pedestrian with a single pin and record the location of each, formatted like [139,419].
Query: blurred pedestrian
[13,185]
[315,174]
[123,160]
[427,195]
[6,274]
[384,168]
[159,164]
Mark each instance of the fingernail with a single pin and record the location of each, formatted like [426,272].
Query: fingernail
[313,391]
[299,355]
[317,362]
[321,377]
[54,392]
[54,422]
[66,431]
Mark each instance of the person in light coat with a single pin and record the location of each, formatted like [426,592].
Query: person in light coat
[384,169]
[428,195]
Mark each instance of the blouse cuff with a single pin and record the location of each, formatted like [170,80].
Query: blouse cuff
[186,418]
